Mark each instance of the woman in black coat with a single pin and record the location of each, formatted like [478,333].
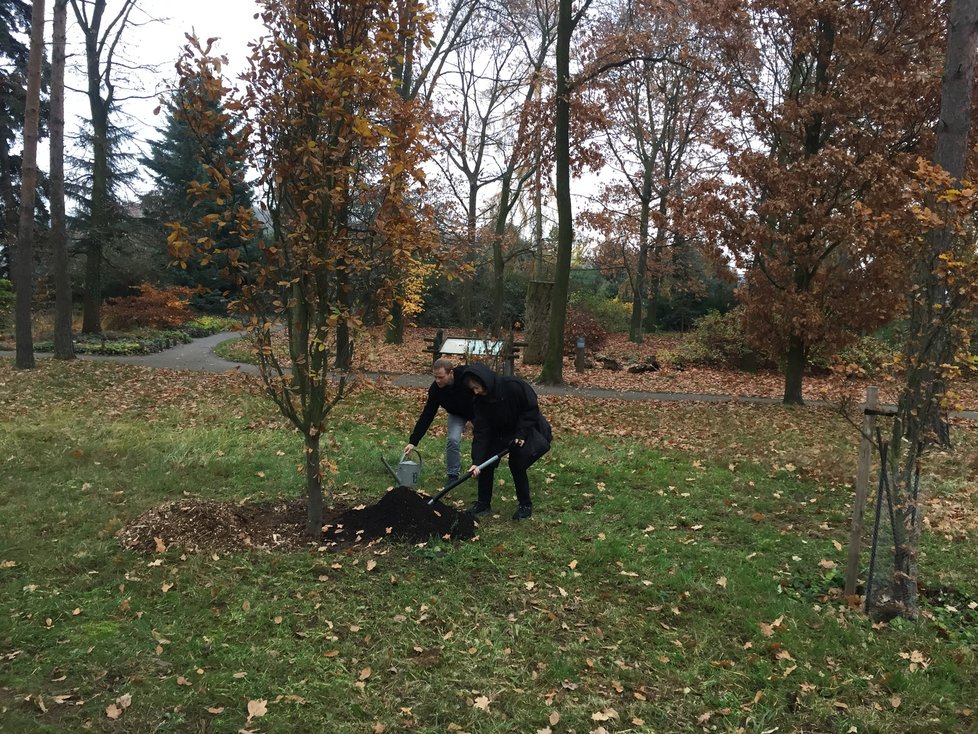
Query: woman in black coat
[506,415]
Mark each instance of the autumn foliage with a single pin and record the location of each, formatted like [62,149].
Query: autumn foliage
[150,307]
[338,155]
[830,107]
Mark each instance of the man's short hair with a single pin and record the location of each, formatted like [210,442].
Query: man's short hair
[442,363]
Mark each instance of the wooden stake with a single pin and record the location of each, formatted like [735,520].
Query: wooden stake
[862,485]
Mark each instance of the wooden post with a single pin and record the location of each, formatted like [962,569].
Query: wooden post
[862,485]
[436,344]
[579,359]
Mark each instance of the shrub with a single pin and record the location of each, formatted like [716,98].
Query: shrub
[867,357]
[152,308]
[613,315]
[718,340]
[581,323]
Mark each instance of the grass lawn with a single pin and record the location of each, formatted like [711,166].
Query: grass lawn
[681,574]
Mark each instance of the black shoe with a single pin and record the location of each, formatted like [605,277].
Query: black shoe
[478,508]
[451,478]
[523,512]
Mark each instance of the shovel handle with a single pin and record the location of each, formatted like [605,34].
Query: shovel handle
[453,484]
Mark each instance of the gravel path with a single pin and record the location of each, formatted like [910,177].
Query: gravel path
[198,356]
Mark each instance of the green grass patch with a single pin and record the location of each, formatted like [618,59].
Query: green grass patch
[666,582]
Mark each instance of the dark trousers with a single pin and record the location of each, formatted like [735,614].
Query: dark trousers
[517,467]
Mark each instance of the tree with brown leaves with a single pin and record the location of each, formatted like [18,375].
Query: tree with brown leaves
[830,105]
[338,152]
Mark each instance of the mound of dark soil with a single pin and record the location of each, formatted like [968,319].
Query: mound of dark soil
[198,525]
[401,514]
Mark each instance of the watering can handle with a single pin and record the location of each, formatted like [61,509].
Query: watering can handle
[416,453]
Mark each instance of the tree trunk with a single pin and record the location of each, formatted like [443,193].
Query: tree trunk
[99,221]
[794,370]
[635,331]
[929,342]
[314,488]
[63,346]
[553,365]
[24,262]
[498,261]
[395,327]
[538,298]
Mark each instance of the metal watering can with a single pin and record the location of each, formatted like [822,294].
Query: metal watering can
[407,473]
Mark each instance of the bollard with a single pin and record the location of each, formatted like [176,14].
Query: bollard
[579,357]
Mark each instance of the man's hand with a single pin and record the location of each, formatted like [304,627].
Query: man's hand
[408,449]
[474,470]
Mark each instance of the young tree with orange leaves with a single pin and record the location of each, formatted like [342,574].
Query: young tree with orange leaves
[337,150]
[830,105]
[943,303]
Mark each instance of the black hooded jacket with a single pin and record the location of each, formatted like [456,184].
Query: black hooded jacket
[508,411]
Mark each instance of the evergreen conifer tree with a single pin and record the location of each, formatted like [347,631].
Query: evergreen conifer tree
[176,161]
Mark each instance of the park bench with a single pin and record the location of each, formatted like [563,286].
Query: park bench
[501,352]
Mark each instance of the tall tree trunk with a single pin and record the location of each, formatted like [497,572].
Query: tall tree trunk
[636,331]
[99,223]
[498,261]
[553,365]
[794,370]
[63,346]
[538,299]
[929,343]
[24,262]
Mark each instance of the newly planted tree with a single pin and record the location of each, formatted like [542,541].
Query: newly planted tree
[943,303]
[337,150]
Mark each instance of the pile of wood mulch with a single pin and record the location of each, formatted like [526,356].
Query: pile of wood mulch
[401,515]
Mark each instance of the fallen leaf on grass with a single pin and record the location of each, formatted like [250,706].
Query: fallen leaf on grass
[114,710]
[215,710]
[166,586]
[605,715]
[365,673]
[257,708]
[722,582]
[371,565]
[482,702]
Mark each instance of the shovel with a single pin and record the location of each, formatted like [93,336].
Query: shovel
[455,482]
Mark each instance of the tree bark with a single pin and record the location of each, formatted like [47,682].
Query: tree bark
[63,346]
[794,371]
[636,331]
[24,262]
[538,298]
[553,365]
[498,261]
[314,488]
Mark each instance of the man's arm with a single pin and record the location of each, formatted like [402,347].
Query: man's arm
[424,420]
